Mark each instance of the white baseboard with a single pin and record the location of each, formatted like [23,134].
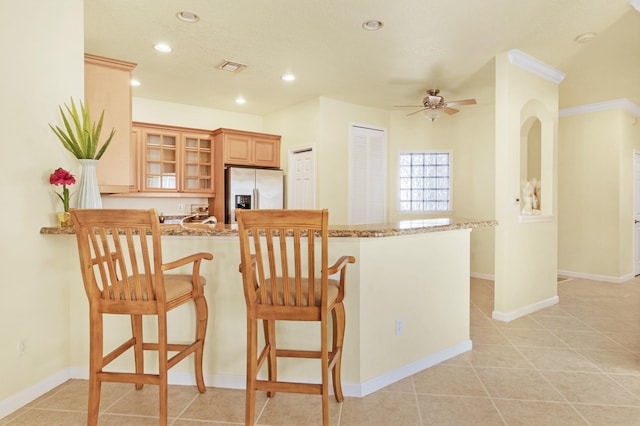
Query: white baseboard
[489,277]
[349,389]
[377,383]
[520,312]
[596,277]
[13,403]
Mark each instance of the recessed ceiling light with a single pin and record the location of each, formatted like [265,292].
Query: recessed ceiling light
[240,100]
[187,16]
[288,77]
[372,25]
[135,83]
[585,37]
[162,47]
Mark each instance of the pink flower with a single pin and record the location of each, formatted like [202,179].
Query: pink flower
[62,177]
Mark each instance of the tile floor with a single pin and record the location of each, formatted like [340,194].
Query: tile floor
[575,363]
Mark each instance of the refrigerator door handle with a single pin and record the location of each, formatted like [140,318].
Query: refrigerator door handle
[256,198]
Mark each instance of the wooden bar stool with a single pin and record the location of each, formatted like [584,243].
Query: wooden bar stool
[285,273]
[123,273]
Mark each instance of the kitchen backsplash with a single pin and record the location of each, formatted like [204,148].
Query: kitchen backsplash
[164,205]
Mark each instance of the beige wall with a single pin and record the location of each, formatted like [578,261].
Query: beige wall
[299,127]
[526,253]
[596,182]
[42,68]
[333,156]
[170,113]
[324,124]
[474,172]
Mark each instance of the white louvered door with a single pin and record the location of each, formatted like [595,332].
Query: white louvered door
[367,175]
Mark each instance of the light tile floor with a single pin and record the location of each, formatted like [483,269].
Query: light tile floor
[574,363]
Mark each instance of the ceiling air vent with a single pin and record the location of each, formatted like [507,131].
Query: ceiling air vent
[231,66]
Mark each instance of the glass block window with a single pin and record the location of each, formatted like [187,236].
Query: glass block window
[425,182]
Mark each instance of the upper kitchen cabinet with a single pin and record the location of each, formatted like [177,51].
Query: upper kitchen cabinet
[107,87]
[175,160]
[242,148]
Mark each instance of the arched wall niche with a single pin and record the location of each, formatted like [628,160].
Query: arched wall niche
[536,158]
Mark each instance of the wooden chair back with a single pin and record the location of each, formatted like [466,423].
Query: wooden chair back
[287,254]
[121,259]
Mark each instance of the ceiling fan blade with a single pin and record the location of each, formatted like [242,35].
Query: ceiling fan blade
[464,102]
[450,110]
[415,112]
[407,106]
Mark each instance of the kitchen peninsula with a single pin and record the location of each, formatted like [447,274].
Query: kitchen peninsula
[407,301]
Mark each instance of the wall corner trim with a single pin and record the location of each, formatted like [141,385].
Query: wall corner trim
[535,66]
[621,103]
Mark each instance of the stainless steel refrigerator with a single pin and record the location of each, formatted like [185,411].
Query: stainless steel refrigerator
[248,188]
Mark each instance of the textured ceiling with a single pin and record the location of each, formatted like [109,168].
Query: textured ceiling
[423,44]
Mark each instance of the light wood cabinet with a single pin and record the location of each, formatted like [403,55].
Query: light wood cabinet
[107,87]
[240,148]
[248,148]
[175,160]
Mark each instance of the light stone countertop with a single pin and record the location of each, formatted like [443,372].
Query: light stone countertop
[405,227]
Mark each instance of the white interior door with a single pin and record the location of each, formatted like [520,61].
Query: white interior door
[636,213]
[302,179]
[367,175]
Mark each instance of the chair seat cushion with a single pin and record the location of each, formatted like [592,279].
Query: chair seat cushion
[333,290]
[175,285]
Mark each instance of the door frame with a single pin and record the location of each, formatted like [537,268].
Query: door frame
[636,200]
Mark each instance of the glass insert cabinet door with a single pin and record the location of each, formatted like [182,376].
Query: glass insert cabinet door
[198,169]
[161,161]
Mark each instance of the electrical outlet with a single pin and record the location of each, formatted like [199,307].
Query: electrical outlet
[398,326]
[180,207]
[22,347]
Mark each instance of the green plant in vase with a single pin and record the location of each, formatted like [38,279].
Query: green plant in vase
[81,136]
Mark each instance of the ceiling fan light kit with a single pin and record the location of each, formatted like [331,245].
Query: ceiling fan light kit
[432,113]
[433,105]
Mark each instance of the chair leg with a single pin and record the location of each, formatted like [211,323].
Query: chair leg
[324,359]
[162,368]
[252,358]
[95,366]
[138,355]
[201,330]
[339,323]
[272,360]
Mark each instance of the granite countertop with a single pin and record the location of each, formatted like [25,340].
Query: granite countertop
[405,227]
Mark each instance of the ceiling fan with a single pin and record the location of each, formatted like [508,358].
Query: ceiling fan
[433,105]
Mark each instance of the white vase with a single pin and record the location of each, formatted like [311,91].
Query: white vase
[89,192]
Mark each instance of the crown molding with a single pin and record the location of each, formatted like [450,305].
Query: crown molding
[624,104]
[635,4]
[535,66]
